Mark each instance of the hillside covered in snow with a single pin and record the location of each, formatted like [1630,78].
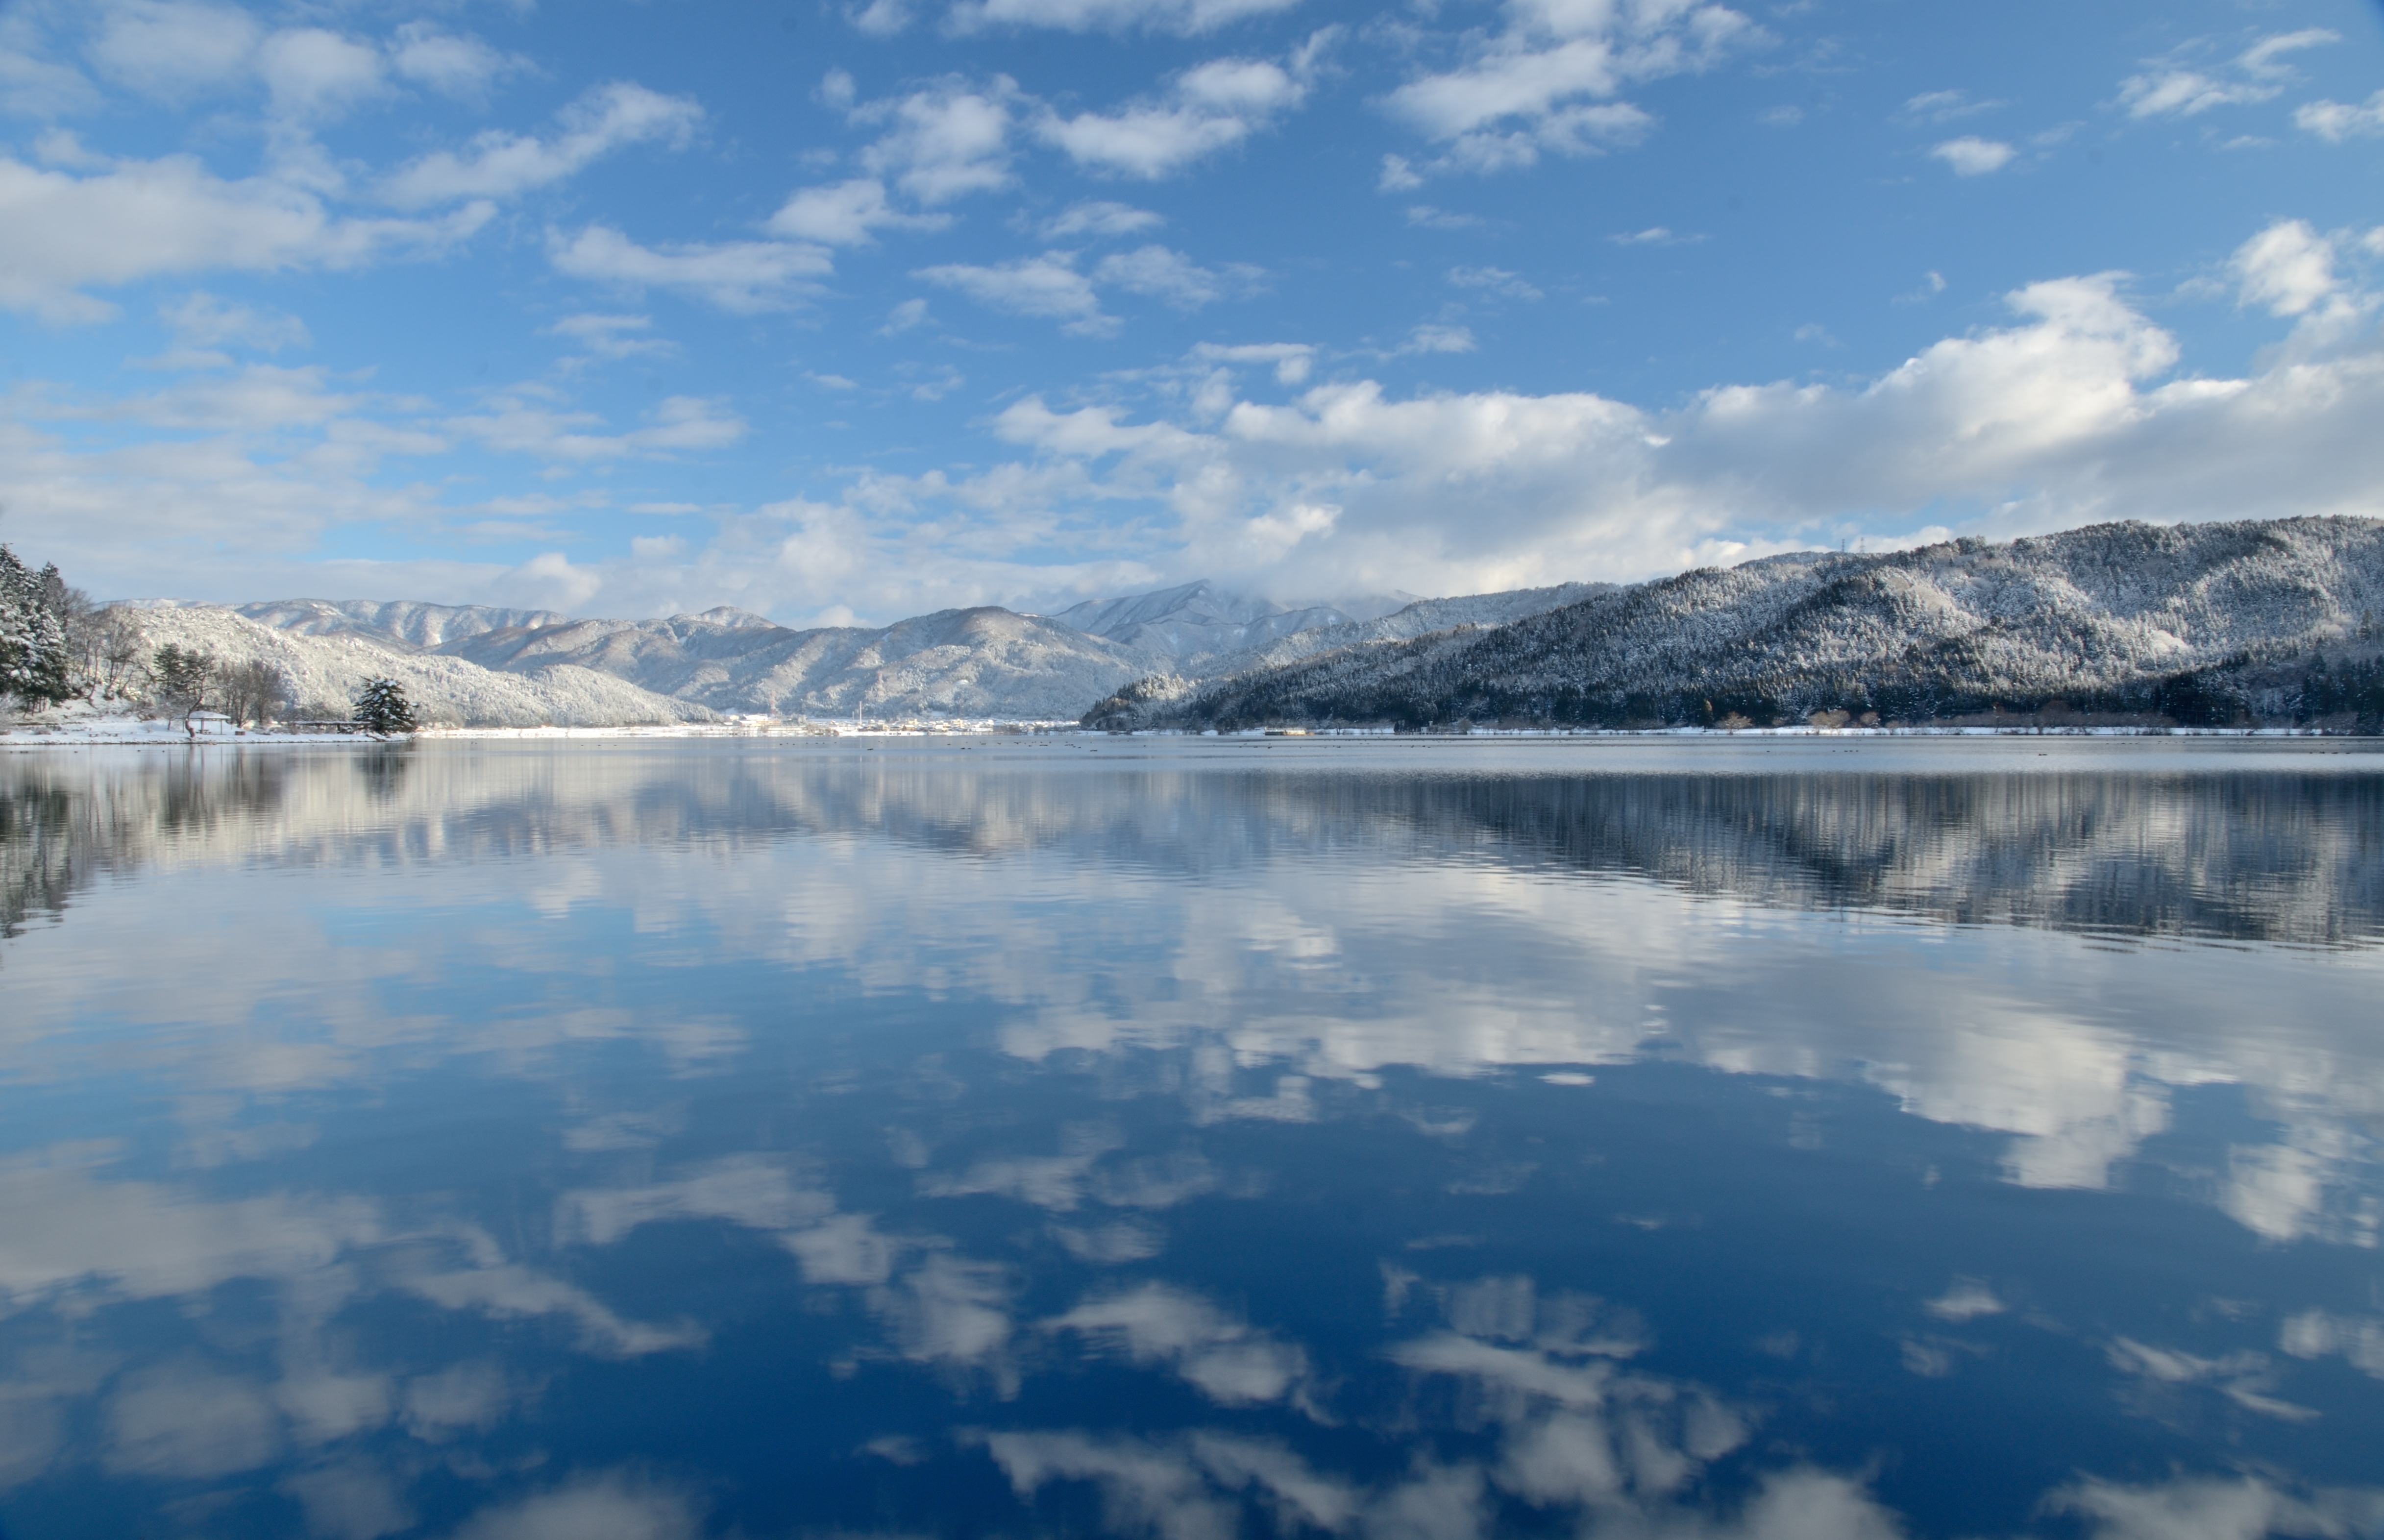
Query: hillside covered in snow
[2213,624]
[326,670]
[2210,624]
[983,662]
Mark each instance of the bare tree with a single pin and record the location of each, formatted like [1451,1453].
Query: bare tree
[252,691]
[106,652]
[123,654]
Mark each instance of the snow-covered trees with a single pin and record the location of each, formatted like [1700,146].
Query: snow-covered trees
[33,632]
[381,707]
[184,681]
[2208,625]
[106,651]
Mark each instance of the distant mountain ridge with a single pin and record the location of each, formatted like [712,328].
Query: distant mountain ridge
[1194,621]
[407,621]
[326,668]
[2204,624]
[983,662]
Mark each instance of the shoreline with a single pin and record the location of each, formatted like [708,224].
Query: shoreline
[155,733]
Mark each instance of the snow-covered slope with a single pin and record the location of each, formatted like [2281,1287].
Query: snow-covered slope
[981,661]
[964,663]
[2195,621]
[326,671]
[1187,624]
[404,621]
[1421,618]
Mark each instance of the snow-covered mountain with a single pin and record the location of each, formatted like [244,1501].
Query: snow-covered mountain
[2265,621]
[985,662]
[959,662]
[326,670]
[1196,621]
[403,621]
[2195,623]
[1418,618]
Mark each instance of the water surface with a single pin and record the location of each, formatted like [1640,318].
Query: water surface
[1192,1140]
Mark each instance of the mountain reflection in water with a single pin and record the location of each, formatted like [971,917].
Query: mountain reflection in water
[1192,1139]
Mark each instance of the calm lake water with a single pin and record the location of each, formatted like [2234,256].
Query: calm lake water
[1193,1140]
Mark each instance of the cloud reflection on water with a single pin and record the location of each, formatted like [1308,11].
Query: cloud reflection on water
[1153,967]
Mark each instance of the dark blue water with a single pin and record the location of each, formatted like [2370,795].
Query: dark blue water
[1192,1140]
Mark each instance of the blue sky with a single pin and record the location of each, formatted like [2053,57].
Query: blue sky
[850,311]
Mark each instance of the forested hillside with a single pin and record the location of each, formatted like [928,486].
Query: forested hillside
[2199,625]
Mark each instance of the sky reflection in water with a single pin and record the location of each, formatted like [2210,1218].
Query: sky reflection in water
[1192,1140]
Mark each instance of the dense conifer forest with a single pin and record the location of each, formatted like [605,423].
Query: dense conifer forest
[2212,624]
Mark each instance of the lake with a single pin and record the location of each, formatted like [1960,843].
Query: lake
[1193,1139]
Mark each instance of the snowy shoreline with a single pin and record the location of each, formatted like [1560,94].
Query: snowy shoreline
[124,732]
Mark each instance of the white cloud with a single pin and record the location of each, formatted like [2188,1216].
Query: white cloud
[953,1312]
[1966,1300]
[2315,1334]
[608,1506]
[2054,420]
[1653,235]
[1188,1487]
[173,50]
[845,214]
[1972,156]
[677,423]
[2262,58]
[501,164]
[2209,1508]
[943,142]
[1170,276]
[2064,414]
[1098,219]
[1181,18]
[1439,338]
[1425,216]
[1046,286]
[612,336]
[1945,106]
[1228,1360]
[1208,108]
[1050,286]
[2289,267]
[2170,89]
[510,1291]
[312,73]
[1548,80]
[31,86]
[750,1190]
[1292,361]
[2335,121]
[201,320]
[879,19]
[179,1420]
[60,233]
[1495,281]
[463,67]
[905,316]
[741,277]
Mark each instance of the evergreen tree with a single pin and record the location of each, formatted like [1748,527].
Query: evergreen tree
[383,708]
[185,680]
[32,633]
